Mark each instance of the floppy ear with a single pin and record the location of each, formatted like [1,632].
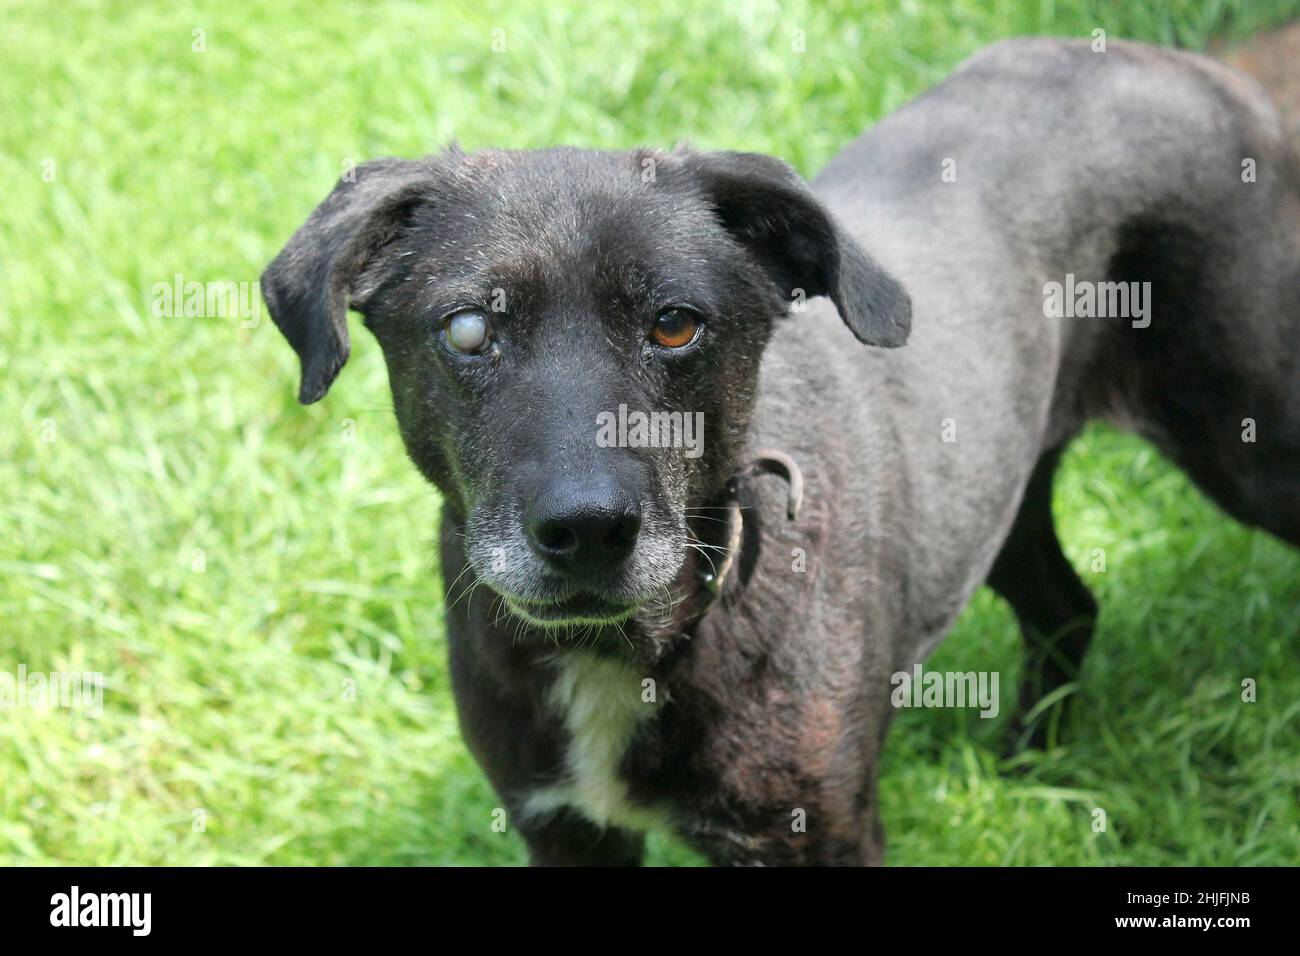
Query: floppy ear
[766,205]
[311,283]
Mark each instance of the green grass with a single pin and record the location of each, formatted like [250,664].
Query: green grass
[228,687]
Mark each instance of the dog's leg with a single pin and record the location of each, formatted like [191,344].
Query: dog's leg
[861,842]
[1214,380]
[565,838]
[783,812]
[1056,612]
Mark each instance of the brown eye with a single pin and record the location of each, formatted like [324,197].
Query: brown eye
[675,328]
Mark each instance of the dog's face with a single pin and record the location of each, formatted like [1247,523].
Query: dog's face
[573,342]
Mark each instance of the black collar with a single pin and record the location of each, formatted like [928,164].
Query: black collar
[770,462]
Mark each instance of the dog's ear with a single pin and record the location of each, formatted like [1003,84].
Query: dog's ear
[312,282]
[766,205]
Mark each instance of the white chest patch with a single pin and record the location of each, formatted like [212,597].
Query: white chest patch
[603,704]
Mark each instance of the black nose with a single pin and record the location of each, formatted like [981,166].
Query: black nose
[585,527]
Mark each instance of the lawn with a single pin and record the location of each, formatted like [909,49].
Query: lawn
[258,582]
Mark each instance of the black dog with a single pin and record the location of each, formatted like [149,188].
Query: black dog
[646,625]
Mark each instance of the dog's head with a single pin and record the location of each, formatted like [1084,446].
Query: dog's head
[573,342]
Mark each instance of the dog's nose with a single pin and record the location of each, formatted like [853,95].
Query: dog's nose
[584,528]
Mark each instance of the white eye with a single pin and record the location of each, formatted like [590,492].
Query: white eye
[468,332]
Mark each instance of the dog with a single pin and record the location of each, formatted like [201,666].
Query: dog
[881,370]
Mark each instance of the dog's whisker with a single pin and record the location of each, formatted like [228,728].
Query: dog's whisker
[707,557]
[698,544]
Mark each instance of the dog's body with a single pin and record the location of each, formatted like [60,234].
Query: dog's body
[752,724]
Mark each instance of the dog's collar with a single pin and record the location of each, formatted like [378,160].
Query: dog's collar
[769,462]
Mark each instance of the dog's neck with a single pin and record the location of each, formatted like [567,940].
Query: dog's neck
[718,533]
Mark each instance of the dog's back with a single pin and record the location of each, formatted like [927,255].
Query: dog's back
[1042,167]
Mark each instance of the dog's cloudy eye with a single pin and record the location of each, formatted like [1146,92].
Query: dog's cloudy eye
[675,328]
[468,332]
